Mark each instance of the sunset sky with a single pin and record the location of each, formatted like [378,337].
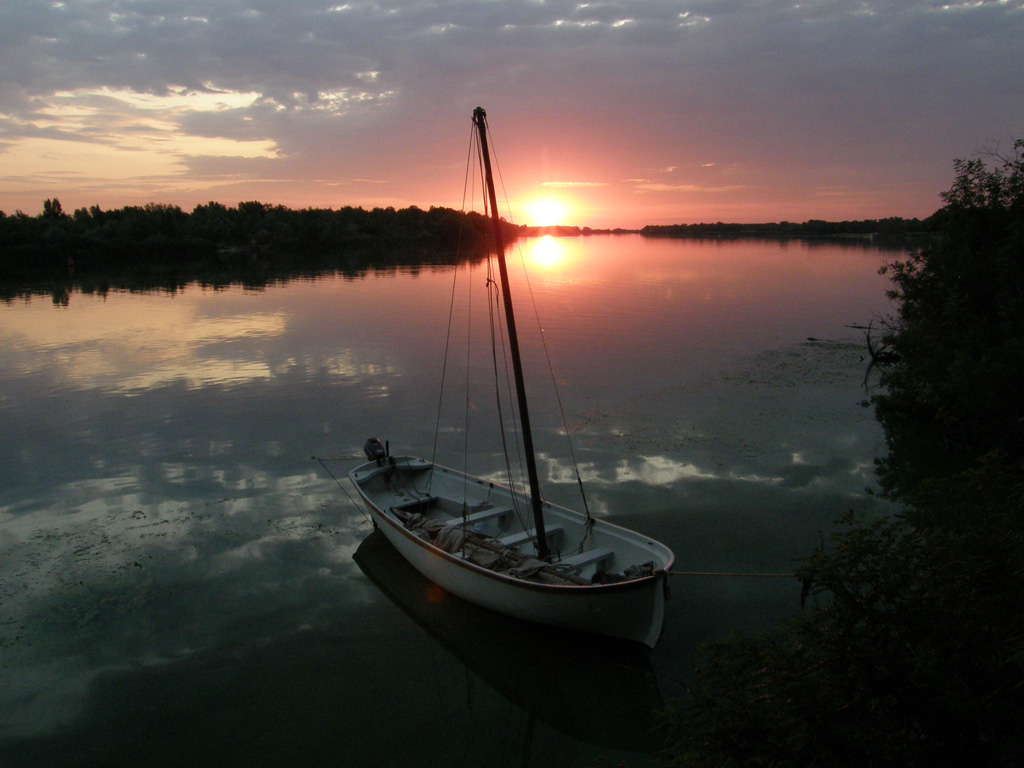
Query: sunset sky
[618,113]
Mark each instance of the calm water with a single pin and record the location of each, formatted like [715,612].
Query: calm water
[182,584]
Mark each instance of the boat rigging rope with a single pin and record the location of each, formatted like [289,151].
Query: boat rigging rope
[547,353]
[491,307]
[468,194]
[498,339]
[466,186]
[497,333]
[558,397]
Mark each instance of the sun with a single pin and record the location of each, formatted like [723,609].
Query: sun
[545,212]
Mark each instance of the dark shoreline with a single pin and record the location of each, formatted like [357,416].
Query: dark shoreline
[161,247]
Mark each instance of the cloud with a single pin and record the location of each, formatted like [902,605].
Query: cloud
[642,185]
[572,184]
[778,99]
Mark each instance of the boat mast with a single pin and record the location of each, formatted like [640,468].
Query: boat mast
[480,120]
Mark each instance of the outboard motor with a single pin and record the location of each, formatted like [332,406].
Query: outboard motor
[374,450]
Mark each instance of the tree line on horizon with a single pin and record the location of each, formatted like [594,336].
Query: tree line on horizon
[158,230]
[890,227]
[155,236]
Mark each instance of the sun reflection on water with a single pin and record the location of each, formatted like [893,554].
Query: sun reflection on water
[545,253]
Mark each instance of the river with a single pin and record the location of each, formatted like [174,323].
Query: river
[179,577]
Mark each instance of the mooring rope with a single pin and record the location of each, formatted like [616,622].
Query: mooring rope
[343,488]
[735,575]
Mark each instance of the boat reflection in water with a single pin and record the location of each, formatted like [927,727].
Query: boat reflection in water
[594,689]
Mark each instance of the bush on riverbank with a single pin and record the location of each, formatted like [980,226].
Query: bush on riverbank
[959,334]
[911,649]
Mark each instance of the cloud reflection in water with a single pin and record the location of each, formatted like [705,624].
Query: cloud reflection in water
[187,521]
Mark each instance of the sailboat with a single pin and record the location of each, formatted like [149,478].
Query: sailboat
[508,549]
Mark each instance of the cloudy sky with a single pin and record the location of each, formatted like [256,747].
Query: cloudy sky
[625,113]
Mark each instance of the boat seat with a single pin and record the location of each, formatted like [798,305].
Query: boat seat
[516,539]
[480,517]
[586,558]
[415,504]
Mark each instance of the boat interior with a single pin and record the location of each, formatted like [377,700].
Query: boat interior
[495,528]
[492,526]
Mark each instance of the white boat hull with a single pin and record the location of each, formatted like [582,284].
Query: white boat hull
[633,608]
